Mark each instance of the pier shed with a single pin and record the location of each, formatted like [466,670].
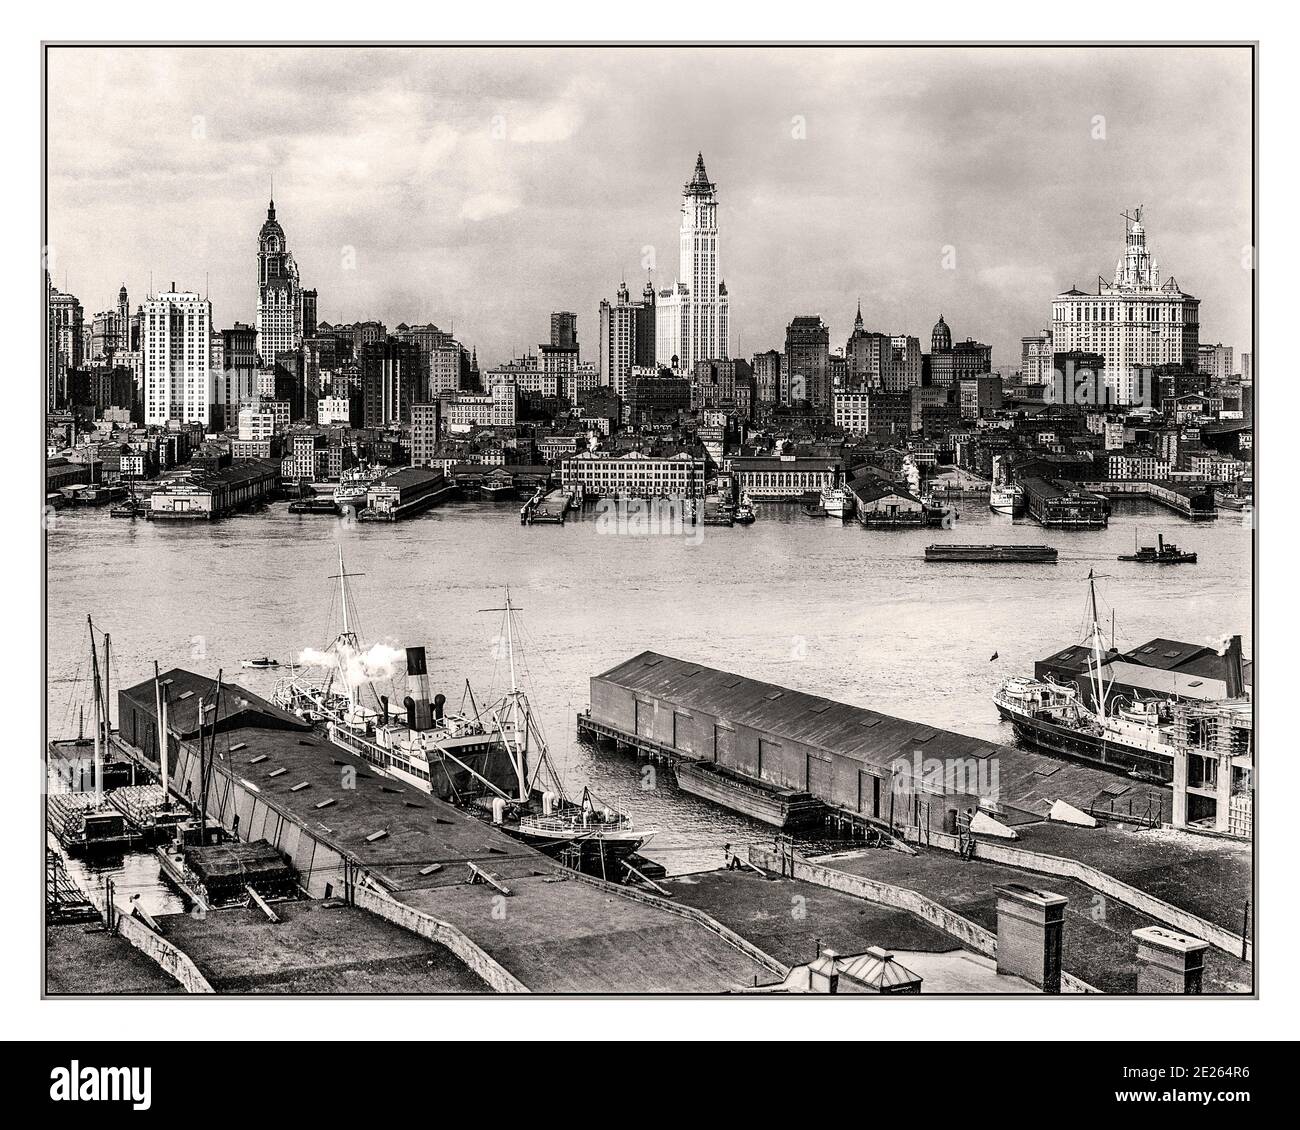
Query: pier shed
[869,766]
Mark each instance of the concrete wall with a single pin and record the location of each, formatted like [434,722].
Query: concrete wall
[417,922]
[704,919]
[1108,885]
[1181,920]
[320,867]
[155,947]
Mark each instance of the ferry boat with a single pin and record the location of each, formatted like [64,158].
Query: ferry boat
[836,502]
[494,490]
[1158,554]
[1133,736]
[355,485]
[1005,497]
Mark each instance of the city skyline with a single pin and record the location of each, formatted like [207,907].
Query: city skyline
[512,207]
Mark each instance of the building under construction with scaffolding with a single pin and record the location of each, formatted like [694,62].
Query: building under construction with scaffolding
[1214,767]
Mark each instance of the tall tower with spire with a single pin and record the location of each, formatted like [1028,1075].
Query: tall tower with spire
[1137,322]
[693,318]
[279,293]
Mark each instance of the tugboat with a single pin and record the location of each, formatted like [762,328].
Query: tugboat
[264,663]
[1158,554]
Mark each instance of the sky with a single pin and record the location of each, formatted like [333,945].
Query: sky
[481,188]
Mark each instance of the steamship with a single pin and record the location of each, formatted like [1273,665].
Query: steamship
[491,760]
[438,752]
[1131,735]
[1005,497]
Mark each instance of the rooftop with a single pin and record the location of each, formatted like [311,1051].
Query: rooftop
[1027,781]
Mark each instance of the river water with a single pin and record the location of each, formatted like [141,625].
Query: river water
[831,609]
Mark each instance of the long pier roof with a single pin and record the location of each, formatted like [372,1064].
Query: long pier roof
[1027,780]
[558,933]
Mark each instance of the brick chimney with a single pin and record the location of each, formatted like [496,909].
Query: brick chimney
[1234,676]
[1169,962]
[1030,927]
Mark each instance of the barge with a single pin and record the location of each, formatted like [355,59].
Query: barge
[1017,554]
[789,809]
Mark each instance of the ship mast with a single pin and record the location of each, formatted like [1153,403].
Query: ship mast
[516,714]
[1098,686]
[95,691]
[346,644]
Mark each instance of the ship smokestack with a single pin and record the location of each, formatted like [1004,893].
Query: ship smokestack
[383,707]
[419,713]
[1235,677]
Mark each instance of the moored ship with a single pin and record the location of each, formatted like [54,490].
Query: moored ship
[1005,497]
[782,808]
[1129,734]
[836,502]
[490,759]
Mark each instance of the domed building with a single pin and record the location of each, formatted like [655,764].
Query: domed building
[941,337]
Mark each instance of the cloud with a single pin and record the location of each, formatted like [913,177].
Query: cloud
[438,165]
[486,205]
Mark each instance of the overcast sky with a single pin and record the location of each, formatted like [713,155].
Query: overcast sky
[482,189]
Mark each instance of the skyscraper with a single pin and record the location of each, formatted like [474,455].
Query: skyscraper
[564,329]
[279,293]
[805,369]
[1135,321]
[176,344]
[626,337]
[63,316]
[692,317]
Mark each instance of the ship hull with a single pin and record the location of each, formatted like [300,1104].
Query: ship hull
[601,857]
[1066,741]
